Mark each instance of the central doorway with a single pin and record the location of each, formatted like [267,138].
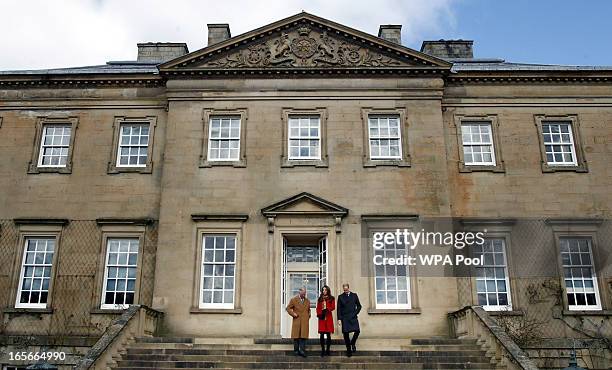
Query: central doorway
[304,264]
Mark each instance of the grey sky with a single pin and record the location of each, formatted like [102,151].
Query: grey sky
[64,33]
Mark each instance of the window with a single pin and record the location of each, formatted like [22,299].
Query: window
[54,145]
[224,139]
[120,273]
[477,141]
[304,137]
[218,271]
[384,140]
[385,137]
[559,144]
[35,276]
[392,281]
[133,145]
[492,283]
[579,275]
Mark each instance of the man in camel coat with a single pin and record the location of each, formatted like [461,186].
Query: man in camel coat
[299,309]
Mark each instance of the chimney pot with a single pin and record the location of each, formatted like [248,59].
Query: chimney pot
[450,49]
[160,52]
[218,32]
[391,32]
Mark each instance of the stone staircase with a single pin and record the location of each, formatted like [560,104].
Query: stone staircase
[253,353]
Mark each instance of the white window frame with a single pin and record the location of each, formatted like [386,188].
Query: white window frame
[201,303]
[18,304]
[571,142]
[508,292]
[41,151]
[120,145]
[567,290]
[106,306]
[491,144]
[392,306]
[397,117]
[292,118]
[221,139]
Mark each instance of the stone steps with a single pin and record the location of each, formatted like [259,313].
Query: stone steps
[277,353]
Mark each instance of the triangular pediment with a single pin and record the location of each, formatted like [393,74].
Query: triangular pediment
[302,42]
[304,204]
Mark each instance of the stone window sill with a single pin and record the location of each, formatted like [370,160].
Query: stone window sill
[216,311]
[411,311]
[505,313]
[588,313]
[290,163]
[28,310]
[101,311]
[499,168]
[371,163]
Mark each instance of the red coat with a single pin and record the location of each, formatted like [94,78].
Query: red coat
[327,325]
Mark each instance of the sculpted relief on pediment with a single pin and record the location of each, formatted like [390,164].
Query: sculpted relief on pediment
[303,47]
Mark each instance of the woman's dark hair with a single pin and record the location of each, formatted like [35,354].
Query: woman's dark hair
[329,293]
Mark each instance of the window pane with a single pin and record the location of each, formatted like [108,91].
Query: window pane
[133,145]
[55,142]
[385,137]
[492,278]
[304,137]
[218,262]
[120,276]
[580,284]
[392,283]
[477,141]
[37,263]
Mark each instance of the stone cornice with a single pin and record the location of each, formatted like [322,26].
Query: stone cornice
[76,80]
[523,77]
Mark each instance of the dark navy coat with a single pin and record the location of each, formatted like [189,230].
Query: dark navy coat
[347,308]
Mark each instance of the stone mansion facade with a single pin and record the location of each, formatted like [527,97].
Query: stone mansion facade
[210,185]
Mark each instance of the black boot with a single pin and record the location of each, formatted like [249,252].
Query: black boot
[328,345]
[354,341]
[322,343]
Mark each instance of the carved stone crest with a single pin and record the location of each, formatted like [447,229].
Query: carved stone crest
[304,47]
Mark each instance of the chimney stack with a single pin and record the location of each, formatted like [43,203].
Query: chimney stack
[391,32]
[218,32]
[450,49]
[160,52]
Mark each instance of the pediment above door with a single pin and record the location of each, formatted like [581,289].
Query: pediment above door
[304,204]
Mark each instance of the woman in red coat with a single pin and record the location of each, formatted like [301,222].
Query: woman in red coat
[325,305]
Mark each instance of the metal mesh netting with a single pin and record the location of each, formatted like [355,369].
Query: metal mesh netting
[76,285]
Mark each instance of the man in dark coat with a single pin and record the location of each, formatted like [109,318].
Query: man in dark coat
[347,308]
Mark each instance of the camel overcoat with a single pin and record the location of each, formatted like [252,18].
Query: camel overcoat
[299,327]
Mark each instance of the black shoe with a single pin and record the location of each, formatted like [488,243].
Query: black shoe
[349,353]
[327,353]
[303,354]
[353,348]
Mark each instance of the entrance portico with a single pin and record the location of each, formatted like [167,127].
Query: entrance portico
[304,249]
